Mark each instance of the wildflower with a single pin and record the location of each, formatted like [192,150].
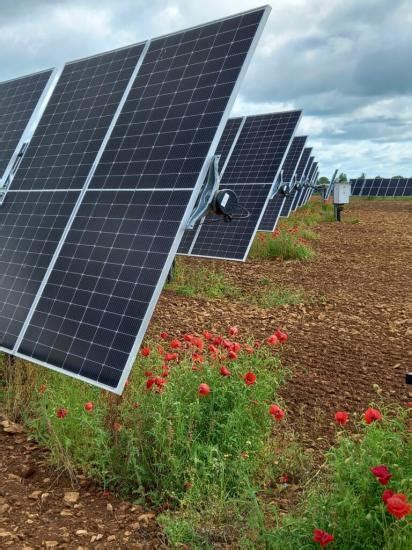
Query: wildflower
[261,237]
[88,406]
[188,337]
[285,478]
[250,378]
[155,381]
[387,493]
[148,374]
[224,371]
[171,356]
[62,412]
[160,349]
[398,506]
[204,390]
[276,412]
[145,352]
[276,233]
[164,335]
[281,336]
[341,417]
[272,340]
[227,344]
[371,415]
[42,388]
[382,474]
[198,358]
[217,341]
[213,349]
[232,355]
[236,347]
[198,343]
[208,335]
[175,344]
[249,349]
[322,537]
[233,331]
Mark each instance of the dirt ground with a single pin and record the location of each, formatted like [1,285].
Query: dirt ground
[355,332]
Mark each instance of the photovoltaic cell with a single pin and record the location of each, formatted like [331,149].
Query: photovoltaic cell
[227,139]
[75,121]
[255,161]
[407,191]
[18,101]
[272,213]
[105,280]
[391,188]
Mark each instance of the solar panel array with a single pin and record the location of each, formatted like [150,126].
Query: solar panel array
[18,101]
[274,207]
[109,181]
[251,171]
[292,197]
[381,187]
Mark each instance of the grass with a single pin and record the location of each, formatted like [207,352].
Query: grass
[276,296]
[201,282]
[284,245]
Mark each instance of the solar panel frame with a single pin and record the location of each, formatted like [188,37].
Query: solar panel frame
[260,15]
[290,200]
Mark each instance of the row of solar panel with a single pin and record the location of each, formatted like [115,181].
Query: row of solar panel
[102,164]
[382,187]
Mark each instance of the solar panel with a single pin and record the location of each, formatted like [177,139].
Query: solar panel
[274,207]
[251,171]
[94,304]
[18,101]
[391,188]
[367,186]
[58,158]
[356,186]
[290,199]
[407,191]
[403,188]
[304,176]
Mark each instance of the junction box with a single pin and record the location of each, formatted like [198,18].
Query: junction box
[341,196]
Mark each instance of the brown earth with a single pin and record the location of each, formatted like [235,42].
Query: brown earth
[355,331]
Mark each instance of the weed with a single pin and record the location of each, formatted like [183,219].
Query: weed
[278,296]
[284,244]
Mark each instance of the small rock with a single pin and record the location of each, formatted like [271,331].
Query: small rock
[109,507]
[99,536]
[111,538]
[44,497]
[35,495]
[71,497]
[11,427]
[81,532]
[50,543]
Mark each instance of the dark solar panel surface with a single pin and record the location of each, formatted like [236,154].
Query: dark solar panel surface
[356,186]
[227,139]
[391,188]
[261,147]
[31,225]
[232,240]
[289,167]
[272,213]
[407,192]
[287,205]
[303,163]
[75,122]
[102,289]
[18,100]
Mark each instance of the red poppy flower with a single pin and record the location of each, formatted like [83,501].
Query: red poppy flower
[281,336]
[233,331]
[198,343]
[257,344]
[204,390]
[145,352]
[250,378]
[175,344]
[42,388]
[88,406]
[371,415]
[188,337]
[171,356]
[341,417]
[285,478]
[273,340]
[382,474]
[322,537]
[276,233]
[164,335]
[236,347]
[227,344]
[224,371]
[387,493]
[213,349]
[232,355]
[217,341]
[276,412]
[198,358]
[62,412]
[208,335]
[249,349]
[398,506]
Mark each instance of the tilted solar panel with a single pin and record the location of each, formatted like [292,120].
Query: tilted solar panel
[292,197]
[407,191]
[274,207]
[251,171]
[94,304]
[368,185]
[391,188]
[301,184]
[356,186]
[18,101]
[59,157]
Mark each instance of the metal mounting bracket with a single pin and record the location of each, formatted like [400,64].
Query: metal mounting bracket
[4,185]
[207,193]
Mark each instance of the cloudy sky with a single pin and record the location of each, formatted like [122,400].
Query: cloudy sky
[346,63]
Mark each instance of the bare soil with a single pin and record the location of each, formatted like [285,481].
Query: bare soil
[354,332]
